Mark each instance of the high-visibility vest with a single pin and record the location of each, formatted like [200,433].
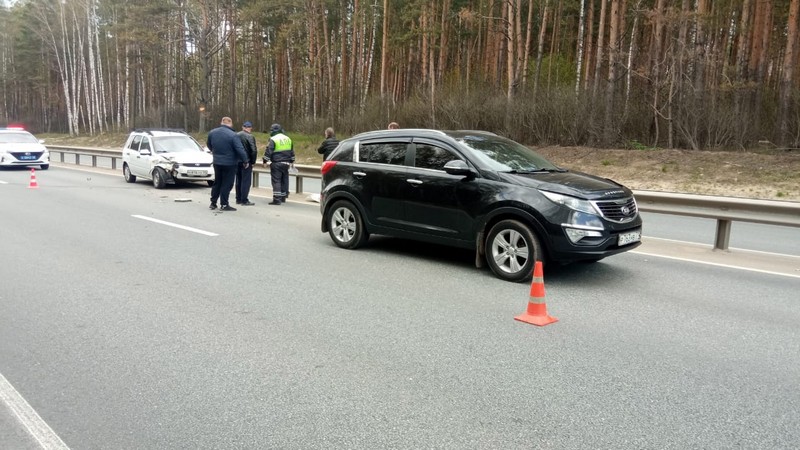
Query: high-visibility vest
[282,142]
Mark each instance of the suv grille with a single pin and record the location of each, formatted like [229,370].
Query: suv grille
[622,210]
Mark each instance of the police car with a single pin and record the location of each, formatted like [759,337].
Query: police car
[20,148]
[165,156]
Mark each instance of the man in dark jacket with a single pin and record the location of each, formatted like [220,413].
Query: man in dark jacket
[328,144]
[228,152]
[279,156]
[244,171]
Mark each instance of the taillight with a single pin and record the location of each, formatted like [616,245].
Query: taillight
[327,166]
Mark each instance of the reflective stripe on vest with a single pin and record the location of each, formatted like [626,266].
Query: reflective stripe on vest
[282,142]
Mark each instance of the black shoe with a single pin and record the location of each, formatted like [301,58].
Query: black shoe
[248,203]
[238,202]
[274,202]
[283,200]
[212,206]
[227,208]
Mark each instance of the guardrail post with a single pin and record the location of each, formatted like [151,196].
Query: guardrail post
[723,237]
[298,185]
[77,159]
[113,163]
[255,179]
[94,160]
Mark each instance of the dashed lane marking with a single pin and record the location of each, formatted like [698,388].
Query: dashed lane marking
[29,418]
[175,225]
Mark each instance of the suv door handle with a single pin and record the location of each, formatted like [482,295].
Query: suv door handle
[413,181]
[359,174]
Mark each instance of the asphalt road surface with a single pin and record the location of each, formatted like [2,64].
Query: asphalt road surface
[136,318]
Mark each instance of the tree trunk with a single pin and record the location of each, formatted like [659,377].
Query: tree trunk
[787,77]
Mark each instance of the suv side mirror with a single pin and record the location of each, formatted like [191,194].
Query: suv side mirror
[145,152]
[458,167]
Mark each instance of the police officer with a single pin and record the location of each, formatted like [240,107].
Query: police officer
[279,155]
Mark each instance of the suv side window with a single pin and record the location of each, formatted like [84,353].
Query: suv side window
[134,145]
[432,157]
[383,153]
[344,153]
[145,144]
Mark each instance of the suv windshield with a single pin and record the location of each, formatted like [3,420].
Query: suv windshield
[505,155]
[175,144]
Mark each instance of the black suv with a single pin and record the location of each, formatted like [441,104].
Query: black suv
[477,190]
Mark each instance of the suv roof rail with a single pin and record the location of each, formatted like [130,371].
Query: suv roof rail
[150,130]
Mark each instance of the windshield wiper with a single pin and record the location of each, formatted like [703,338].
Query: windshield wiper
[537,170]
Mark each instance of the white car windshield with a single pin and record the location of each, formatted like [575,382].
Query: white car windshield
[17,138]
[175,144]
[504,155]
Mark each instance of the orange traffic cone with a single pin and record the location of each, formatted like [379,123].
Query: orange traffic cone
[33,184]
[537,309]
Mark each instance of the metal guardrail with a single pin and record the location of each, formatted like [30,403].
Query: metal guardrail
[304,171]
[725,210]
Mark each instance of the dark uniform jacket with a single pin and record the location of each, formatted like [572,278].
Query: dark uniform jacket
[225,146]
[327,147]
[249,144]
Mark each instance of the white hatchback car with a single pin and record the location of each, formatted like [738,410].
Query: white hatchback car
[20,148]
[165,156]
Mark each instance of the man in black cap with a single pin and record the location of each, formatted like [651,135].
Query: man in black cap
[244,172]
[279,155]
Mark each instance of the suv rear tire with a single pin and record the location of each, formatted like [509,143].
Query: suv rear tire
[345,225]
[511,250]
[129,177]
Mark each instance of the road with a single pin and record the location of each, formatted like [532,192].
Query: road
[123,332]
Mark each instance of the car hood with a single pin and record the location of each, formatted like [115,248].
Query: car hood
[189,157]
[576,184]
[33,147]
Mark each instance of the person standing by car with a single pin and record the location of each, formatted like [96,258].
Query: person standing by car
[393,126]
[328,144]
[228,152]
[244,171]
[279,155]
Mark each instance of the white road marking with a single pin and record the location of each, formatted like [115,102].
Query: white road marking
[708,263]
[3,182]
[170,224]
[26,415]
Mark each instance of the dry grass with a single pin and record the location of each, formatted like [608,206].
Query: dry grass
[762,174]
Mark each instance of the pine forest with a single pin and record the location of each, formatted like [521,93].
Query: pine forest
[693,74]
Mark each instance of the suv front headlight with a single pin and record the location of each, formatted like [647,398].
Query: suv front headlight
[572,202]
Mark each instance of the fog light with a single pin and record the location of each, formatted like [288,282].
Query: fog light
[576,234]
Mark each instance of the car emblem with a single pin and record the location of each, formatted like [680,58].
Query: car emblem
[625,210]
[27,153]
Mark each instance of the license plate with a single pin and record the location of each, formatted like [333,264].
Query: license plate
[27,157]
[629,238]
[197,173]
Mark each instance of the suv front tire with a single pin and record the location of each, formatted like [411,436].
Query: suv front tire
[512,249]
